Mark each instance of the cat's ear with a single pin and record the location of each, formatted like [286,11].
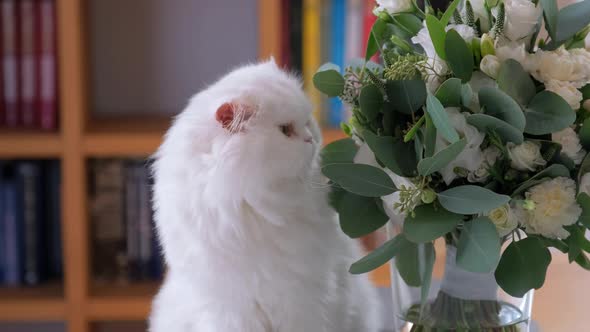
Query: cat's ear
[232,116]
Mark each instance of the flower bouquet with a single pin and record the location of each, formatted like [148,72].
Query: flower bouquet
[473,130]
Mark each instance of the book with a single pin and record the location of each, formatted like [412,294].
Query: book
[368,21]
[13,245]
[296,35]
[47,66]
[144,220]
[326,49]
[10,72]
[354,29]
[285,55]
[132,220]
[312,51]
[2,223]
[27,62]
[51,197]
[338,13]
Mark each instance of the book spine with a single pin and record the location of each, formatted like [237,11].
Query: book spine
[10,75]
[27,56]
[354,29]
[131,217]
[145,223]
[285,54]
[311,52]
[326,50]
[2,227]
[296,35]
[2,102]
[13,250]
[29,179]
[55,268]
[47,66]
[335,115]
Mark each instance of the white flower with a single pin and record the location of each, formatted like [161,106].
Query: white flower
[481,13]
[393,6]
[567,91]
[526,156]
[481,174]
[521,18]
[570,144]
[562,65]
[555,207]
[585,184]
[471,157]
[516,51]
[504,219]
[465,31]
[490,65]
[435,67]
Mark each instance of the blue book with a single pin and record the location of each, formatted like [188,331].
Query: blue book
[13,232]
[2,232]
[338,20]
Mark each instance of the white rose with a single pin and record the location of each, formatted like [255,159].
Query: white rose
[481,174]
[570,144]
[585,184]
[521,18]
[504,219]
[563,65]
[481,13]
[471,157]
[393,6]
[554,207]
[567,91]
[526,156]
[516,51]
[490,65]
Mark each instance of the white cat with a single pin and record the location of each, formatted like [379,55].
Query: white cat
[250,240]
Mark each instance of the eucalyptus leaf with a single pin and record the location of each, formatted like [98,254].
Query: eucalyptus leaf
[428,223]
[449,92]
[466,95]
[360,215]
[437,34]
[407,262]
[375,37]
[440,119]
[584,134]
[548,113]
[406,96]
[371,101]
[550,13]
[523,266]
[572,19]
[428,256]
[553,171]
[441,159]
[500,105]
[459,56]
[379,256]
[486,123]
[328,80]
[395,155]
[470,199]
[360,179]
[516,81]
[409,22]
[429,137]
[340,151]
[479,246]
[584,201]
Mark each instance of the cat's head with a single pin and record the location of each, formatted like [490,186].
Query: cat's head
[252,126]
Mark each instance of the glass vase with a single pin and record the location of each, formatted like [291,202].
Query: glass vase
[458,300]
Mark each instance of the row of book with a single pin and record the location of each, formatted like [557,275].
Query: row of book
[125,247]
[314,32]
[28,70]
[30,241]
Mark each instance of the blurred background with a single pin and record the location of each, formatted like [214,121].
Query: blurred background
[88,87]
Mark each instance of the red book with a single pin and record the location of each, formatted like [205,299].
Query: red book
[368,21]
[47,82]
[2,108]
[285,59]
[27,62]
[10,71]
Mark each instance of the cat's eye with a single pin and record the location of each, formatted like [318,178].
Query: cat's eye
[287,129]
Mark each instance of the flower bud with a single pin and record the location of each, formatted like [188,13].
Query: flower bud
[487,45]
[490,65]
[428,196]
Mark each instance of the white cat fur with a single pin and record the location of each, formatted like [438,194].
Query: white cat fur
[250,241]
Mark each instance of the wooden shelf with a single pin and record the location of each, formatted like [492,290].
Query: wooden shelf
[42,303]
[23,144]
[121,302]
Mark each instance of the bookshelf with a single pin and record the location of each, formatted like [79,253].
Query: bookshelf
[77,302]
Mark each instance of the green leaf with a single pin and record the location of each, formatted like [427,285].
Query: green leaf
[555,243]
[427,223]
[337,152]
[437,33]
[584,167]
[479,246]
[395,155]
[428,258]
[584,134]
[440,119]
[449,92]
[371,101]
[486,123]
[466,95]
[516,82]
[406,96]
[379,256]
[444,20]
[441,159]
[459,56]
[583,261]
[548,113]
[572,19]
[407,262]
[409,22]
[429,137]
[328,80]
[523,266]
[584,201]
[373,44]
[360,179]
[502,106]
[470,199]
[360,215]
[553,171]
[550,13]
